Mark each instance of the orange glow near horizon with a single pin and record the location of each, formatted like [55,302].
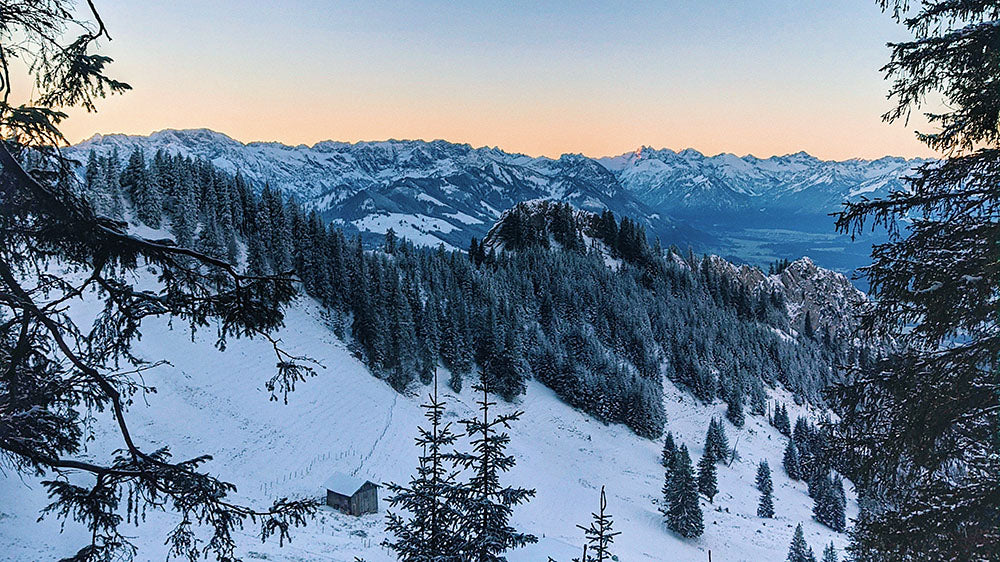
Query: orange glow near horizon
[744,78]
[536,133]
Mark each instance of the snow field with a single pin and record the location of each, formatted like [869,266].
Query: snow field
[346,420]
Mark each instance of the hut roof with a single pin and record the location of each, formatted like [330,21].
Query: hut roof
[344,484]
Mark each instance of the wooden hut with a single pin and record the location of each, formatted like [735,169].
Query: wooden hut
[352,495]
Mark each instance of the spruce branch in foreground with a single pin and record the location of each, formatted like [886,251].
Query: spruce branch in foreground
[55,376]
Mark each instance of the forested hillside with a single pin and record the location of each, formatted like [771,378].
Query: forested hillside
[581,302]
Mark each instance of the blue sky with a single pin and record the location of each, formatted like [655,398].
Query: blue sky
[537,77]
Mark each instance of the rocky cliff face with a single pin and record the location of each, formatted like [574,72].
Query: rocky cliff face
[827,297]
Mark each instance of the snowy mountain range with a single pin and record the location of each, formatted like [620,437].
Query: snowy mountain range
[437,191]
[690,182]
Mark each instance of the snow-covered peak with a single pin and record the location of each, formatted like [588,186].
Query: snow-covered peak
[688,181]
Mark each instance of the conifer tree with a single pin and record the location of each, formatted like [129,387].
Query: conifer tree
[473,250]
[839,501]
[766,506]
[431,530]
[116,207]
[210,240]
[707,482]
[798,551]
[599,535]
[828,501]
[722,442]
[183,212]
[734,408]
[401,336]
[817,484]
[716,442]
[781,421]
[256,260]
[666,492]
[919,425]
[95,184]
[389,245]
[732,392]
[830,553]
[667,457]
[455,381]
[487,504]
[791,461]
[143,193]
[429,340]
[758,398]
[683,511]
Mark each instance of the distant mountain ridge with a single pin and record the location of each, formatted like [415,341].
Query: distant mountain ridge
[431,192]
[689,181]
[437,191]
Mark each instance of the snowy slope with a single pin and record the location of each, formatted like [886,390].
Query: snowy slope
[346,420]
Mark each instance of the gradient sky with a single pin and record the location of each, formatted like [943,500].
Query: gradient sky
[598,78]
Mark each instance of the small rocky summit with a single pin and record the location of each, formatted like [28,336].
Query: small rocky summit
[829,297]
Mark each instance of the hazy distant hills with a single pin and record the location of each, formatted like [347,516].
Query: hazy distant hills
[745,208]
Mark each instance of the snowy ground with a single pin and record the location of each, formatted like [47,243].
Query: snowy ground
[346,420]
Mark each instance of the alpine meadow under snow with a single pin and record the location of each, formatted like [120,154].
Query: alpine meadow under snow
[346,420]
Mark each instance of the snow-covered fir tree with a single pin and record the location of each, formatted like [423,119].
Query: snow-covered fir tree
[716,442]
[790,461]
[830,554]
[486,504]
[780,419]
[707,482]
[669,448]
[142,190]
[731,383]
[430,528]
[829,501]
[799,550]
[682,510]
[765,507]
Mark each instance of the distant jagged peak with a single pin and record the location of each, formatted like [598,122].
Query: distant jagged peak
[646,152]
[203,135]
